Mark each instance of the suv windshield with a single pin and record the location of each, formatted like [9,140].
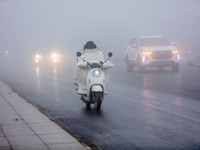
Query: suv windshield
[156,41]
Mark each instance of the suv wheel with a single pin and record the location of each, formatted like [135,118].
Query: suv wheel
[141,67]
[129,66]
[175,68]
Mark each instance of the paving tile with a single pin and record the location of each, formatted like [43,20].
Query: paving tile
[68,146]
[36,120]
[57,138]
[3,103]
[17,130]
[30,147]
[22,107]
[5,148]
[4,141]
[28,140]
[11,120]
[2,109]
[13,97]
[20,103]
[1,132]
[29,112]
[8,112]
[46,128]
[34,116]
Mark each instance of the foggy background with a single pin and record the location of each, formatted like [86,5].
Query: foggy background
[30,25]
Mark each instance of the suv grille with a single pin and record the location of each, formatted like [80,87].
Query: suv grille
[162,55]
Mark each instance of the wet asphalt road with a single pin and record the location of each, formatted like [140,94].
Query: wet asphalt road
[154,110]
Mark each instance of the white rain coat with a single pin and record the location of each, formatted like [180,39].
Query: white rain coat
[80,75]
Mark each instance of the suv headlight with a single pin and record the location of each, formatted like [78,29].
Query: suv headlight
[96,73]
[146,52]
[175,51]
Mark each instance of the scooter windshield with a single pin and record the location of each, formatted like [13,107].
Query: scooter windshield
[95,65]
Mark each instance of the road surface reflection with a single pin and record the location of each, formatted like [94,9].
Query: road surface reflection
[55,79]
[37,72]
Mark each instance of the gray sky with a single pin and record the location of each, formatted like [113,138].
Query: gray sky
[26,25]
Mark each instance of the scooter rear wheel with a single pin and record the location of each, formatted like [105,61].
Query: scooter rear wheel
[87,104]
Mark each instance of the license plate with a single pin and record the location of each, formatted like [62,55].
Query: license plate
[162,60]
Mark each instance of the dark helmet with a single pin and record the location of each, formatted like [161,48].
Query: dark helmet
[90,45]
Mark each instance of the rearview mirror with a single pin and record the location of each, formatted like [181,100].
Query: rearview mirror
[110,54]
[134,45]
[173,43]
[78,54]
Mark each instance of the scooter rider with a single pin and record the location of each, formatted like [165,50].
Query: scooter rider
[90,53]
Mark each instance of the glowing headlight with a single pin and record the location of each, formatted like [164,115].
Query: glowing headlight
[97,73]
[54,55]
[147,53]
[37,56]
[175,51]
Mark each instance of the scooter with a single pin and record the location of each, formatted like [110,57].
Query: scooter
[95,82]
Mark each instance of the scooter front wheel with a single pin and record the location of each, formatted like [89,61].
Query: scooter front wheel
[87,104]
[98,100]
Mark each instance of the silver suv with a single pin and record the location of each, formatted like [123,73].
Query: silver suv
[151,51]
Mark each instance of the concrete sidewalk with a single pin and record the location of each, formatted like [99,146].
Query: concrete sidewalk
[24,127]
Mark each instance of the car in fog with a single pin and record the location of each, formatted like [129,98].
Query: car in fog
[151,51]
[4,52]
[46,58]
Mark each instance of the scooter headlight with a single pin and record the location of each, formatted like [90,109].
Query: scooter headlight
[97,73]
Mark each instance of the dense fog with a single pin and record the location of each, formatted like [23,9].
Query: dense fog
[28,26]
